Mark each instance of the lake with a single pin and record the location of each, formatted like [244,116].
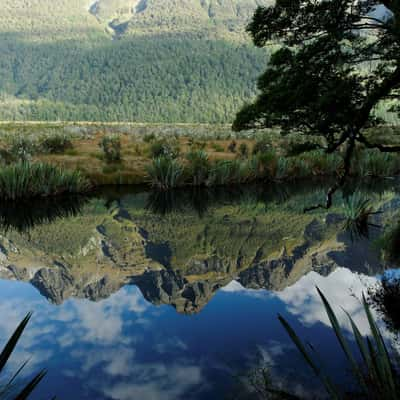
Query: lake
[141,295]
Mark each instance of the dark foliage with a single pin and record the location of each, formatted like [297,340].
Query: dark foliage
[385,297]
[167,78]
[315,82]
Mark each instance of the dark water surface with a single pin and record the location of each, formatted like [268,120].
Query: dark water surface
[175,296]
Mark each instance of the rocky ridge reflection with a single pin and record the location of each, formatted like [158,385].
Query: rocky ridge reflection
[181,256]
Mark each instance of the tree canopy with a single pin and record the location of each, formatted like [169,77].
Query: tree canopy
[336,60]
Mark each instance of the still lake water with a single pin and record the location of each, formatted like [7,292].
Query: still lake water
[140,295]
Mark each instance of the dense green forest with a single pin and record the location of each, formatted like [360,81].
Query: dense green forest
[120,60]
[157,79]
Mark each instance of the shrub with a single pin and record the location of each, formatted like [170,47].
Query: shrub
[198,167]
[22,147]
[25,180]
[165,148]
[149,137]
[243,150]
[232,146]
[111,147]
[55,143]
[165,173]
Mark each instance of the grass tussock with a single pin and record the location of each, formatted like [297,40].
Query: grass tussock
[358,211]
[26,180]
[10,389]
[198,167]
[165,173]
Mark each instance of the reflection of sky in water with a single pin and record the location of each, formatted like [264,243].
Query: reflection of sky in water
[125,348]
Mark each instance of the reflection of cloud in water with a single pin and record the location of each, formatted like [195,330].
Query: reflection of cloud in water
[157,381]
[123,347]
[342,288]
[97,337]
[103,321]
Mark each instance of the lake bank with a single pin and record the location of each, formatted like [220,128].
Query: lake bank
[181,155]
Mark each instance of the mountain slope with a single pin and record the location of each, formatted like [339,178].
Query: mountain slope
[136,60]
[150,16]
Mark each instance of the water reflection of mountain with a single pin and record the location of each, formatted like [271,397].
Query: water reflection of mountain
[182,258]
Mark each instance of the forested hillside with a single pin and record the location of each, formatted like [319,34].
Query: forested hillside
[146,60]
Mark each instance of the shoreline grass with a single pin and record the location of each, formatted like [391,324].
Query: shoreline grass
[205,154]
[28,180]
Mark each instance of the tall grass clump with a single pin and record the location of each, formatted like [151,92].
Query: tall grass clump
[299,168]
[198,167]
[322,164]
[165,173]
[26,180]
[227,172]
[262,145]
[9,390]
[374,163]
[357,211]
[265,164]
[376,376]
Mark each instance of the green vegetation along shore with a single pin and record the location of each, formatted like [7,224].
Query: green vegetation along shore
[78,156]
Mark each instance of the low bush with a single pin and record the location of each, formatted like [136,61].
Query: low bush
[54,143]
[243,150]
[149,137]
[232,146]
[111,147]
[165,148]
[22,147]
